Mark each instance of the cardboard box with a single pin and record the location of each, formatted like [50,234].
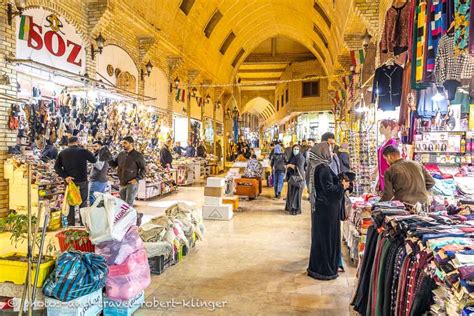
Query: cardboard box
[215,182]
[223,213]
[87,305]
[212,201]
[216,192]
[231,200]
[123,308]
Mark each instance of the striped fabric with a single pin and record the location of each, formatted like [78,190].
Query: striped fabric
[420,40]
[76,274]
[436,28]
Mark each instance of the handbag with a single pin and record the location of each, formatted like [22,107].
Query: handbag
[296,180]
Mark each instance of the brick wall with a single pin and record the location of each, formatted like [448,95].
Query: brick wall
[7,137]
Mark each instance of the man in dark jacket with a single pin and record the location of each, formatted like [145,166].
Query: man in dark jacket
[201,150]
[99,170]
[165,156]
[278,163]
[71,165]
[178,149]
[49,152]
[131,169]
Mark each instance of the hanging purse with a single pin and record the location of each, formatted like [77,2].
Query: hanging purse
[296,180]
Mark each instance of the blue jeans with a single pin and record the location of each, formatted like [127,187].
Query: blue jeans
[96,187]
[128,193]
[278,178]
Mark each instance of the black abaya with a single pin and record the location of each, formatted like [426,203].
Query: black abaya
[326,229]
[293,198]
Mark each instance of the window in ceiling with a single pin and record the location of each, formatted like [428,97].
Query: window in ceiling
[286,96]
[186,6]
[310,89]
[321,12]
[237,57]
[282,100]
[216,17]
[321,35]
[227,42]
[278,105]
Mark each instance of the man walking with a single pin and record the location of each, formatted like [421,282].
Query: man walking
[131,169]
[71,165]
[99,170]
[166,158]
[406,181]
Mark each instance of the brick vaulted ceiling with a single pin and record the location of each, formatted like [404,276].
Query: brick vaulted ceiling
[326,28]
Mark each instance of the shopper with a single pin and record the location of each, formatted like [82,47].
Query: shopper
[295,178]
[49,152]
[331,140]
[178,149]
[254,168]
[71,165]
[190,151]
[344,158]
[201,150]
[131,169]
[289,152]
[405,180]
[328,193]
[99,170]
[278,164]
[246,152]
[166,159]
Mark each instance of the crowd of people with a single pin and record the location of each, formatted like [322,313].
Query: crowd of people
[324,170]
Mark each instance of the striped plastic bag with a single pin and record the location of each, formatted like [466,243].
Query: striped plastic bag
[76,274]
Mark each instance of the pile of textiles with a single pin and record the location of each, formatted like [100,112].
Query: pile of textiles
[355,228]
[452,181]
[411,264]
[181,225]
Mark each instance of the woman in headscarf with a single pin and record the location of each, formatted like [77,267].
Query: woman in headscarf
[278,164]
[295,178]
[328,193]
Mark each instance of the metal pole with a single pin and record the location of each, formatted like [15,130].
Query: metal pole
[40,252]
[26,290]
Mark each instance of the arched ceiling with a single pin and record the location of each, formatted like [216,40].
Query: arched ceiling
[260,107]
[252,22]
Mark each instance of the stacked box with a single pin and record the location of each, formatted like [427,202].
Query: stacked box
[213,207]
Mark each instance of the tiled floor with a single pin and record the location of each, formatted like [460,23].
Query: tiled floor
[254,265]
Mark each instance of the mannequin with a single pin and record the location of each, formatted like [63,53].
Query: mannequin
[389,129]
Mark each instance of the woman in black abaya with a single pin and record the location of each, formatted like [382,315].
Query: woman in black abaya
[325,216]
[295,168]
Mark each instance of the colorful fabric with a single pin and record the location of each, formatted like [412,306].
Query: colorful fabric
[462,15]
[420,40]
[181,95]
[436,28]
[448,66]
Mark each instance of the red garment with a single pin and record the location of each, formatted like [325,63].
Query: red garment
[382,163]
[395,36]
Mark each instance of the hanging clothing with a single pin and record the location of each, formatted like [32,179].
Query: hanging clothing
[407,98]
[382,162]
[325,225]
[471,29]
[395,36]
[448,65]
[437,26]
[388,87]
[420,40]
[462,16]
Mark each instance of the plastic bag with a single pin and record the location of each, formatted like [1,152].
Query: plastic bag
[128,279]
[109,218]
[73,194]
[76,274]
[116,252]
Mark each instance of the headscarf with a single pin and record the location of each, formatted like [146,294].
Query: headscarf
[320,154]
[277,149]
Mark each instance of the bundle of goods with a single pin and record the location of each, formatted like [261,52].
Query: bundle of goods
[168,237]
[75,286]
[213,207]
[416,264]
[112,228]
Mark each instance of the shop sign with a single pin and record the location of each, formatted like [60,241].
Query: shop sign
[45,37]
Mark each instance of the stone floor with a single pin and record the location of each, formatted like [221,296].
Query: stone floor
[252,265]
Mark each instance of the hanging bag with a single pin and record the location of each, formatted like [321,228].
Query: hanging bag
[73,194]
[296,180]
